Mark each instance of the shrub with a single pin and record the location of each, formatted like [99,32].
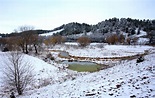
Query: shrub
[50,56]
[113,39]
[44,82]
[83,41]
[5,49]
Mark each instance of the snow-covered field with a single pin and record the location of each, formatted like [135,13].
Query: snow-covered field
[124,80]
[100,50]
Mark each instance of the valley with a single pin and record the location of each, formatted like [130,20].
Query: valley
[121,78]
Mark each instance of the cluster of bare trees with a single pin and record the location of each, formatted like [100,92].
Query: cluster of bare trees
[26,41]
[119,39]
[53,40]
[58,39]
[29,40]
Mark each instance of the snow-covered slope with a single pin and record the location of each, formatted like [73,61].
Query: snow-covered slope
[79,35]
[51,33]
[142,33]
[125,80]
[44,73]
[143,41]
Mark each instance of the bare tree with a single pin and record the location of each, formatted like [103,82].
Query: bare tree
[26,37]
[25,28]
[36,41]
[17,72]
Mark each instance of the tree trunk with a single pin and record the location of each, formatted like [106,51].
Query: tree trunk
[35,47]
[26,48]
[20,92]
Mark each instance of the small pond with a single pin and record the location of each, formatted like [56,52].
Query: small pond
[64,54]
[83,66]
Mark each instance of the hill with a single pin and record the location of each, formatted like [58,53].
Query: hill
[129,28]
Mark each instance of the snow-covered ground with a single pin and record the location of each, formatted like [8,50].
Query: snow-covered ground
[79,35]
[100,50]
[51,33]
[142,33]
[44,73]
[124,80]
[143,41]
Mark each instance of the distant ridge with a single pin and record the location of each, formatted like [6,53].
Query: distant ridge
[102,29]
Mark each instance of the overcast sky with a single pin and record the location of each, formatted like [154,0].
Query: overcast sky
[48,14]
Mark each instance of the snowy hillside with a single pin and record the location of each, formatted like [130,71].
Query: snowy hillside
[142,33]
[51,33]
[127,79]
[141,40]
[79,35]
[44,73]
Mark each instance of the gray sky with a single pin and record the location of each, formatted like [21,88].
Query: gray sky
[48,14]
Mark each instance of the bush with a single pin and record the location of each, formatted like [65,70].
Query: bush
[44,82]
[140,59]
[83,41]
[50,56]
[113,39]
[5,49]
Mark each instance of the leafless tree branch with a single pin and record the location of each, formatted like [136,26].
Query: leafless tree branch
[18,72]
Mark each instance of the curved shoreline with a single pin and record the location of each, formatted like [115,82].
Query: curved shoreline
[100,59]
